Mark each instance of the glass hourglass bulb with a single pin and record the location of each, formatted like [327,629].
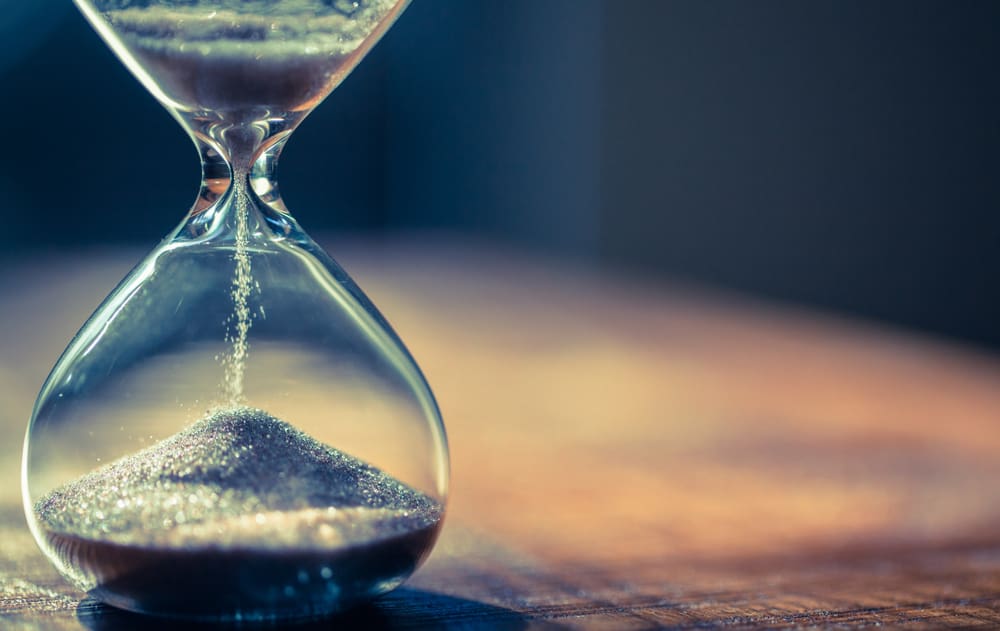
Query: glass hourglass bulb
[237,432]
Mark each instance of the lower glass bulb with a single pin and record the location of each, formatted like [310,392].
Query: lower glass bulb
[236,432]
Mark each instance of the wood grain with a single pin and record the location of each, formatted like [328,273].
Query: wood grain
[624,456]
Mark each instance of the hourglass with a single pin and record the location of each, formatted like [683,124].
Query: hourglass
[237,432]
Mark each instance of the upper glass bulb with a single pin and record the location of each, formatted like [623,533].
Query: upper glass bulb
[237,432]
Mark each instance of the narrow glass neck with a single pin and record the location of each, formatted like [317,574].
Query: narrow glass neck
[239,160]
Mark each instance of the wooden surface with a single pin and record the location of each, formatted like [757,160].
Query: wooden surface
[623,456]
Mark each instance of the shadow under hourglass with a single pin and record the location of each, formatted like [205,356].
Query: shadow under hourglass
[403,608]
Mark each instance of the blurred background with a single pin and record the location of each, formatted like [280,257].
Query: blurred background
[838,155]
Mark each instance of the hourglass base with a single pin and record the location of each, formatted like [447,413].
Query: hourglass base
[246,584]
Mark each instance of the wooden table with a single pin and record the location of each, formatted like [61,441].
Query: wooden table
[624,456]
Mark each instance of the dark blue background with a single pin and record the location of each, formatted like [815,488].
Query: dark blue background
[838,154]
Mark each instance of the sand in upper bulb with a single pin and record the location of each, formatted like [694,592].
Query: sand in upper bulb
[229,57]
[240,515]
